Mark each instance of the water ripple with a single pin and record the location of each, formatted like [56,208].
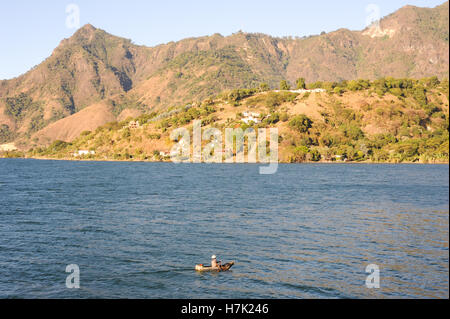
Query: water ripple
[136,230]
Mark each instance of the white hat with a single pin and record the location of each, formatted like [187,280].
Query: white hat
[213,257]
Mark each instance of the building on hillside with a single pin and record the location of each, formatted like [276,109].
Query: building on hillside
[311,91]
[8,147]
[340,158]
[303,91]
[248,113]
[134,125]
[251,117]
[83,153]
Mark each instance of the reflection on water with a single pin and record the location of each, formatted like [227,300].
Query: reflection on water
[138,229]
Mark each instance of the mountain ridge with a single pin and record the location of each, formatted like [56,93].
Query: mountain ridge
[93,66]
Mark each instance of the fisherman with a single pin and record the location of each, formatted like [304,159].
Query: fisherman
[214,262]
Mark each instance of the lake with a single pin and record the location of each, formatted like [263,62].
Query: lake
[136,230]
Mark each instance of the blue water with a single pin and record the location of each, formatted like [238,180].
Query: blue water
[136,230]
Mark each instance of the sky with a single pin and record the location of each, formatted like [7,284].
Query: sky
[30,30]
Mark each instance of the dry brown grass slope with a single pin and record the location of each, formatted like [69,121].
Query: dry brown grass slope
[70,127]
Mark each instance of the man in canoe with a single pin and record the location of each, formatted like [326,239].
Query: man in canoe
[214,262]
[215,265]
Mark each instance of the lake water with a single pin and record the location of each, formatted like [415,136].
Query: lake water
[136,230]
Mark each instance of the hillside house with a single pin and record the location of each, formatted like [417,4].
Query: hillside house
[83,153]
[134,125]
[340,158]
[302,91]
[8,147]
[248,113]
[251,117]
[305,91]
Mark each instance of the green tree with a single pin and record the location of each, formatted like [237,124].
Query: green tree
[284,85]
[300,83]
[264,87]
[5,133]
[272,118]
[284,117]
[326,140]
[314,155]
[338,90]
[17,106]
[431,82]
[420,95]
[299,154]
[300,123]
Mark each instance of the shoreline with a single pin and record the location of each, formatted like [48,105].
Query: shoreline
[257,163]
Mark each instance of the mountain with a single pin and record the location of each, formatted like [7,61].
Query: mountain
[113,78]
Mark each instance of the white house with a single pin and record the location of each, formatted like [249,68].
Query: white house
[8,147]
[340,158]
[303,91]
[311,91]
[251,117]
[134,125]
[254,114]
[83,153]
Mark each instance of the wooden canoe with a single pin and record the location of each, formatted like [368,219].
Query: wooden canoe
[224,267]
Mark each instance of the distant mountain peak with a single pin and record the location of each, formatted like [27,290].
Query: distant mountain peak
[87,28]
[85,33]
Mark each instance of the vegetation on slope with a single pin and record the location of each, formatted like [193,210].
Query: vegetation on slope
[387,120]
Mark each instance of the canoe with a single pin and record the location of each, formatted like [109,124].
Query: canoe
[224,267]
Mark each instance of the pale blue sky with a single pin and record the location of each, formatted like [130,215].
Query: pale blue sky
[30,30]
